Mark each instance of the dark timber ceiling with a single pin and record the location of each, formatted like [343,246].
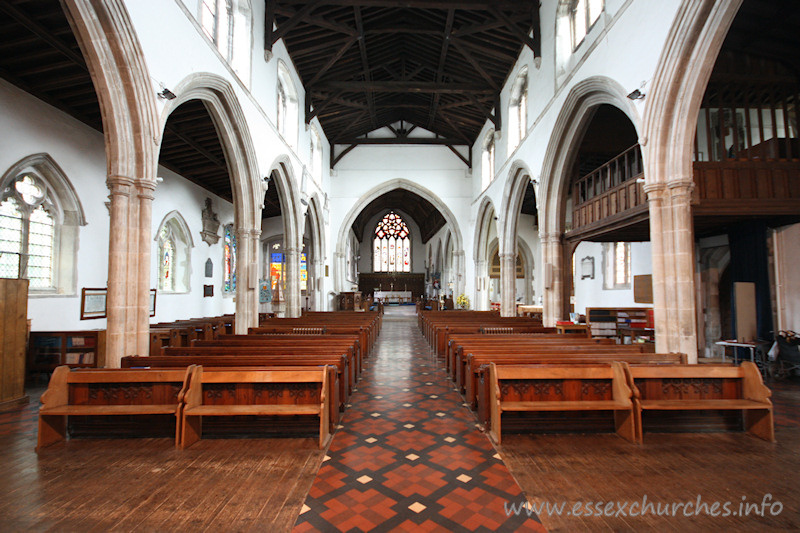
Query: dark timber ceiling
[427,217]
[39,54]
[191,148]
[769,29]
[437,65]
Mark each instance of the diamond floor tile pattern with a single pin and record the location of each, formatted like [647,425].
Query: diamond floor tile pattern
[409,457]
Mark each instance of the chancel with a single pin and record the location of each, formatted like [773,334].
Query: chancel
[399,265]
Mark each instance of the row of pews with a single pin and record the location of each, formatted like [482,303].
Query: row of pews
[520,376]
[265,383]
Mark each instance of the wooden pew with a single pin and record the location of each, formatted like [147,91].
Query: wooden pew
[108,392]
[292,350]
[465,354]
[562,388]
[457,346]
[329,329]
[443,334]
[338,367]
[694,388]
[253,392]
[314,343]
[478,389]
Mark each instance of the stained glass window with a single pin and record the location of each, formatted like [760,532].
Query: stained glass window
[392,245]
[276,271]
[166,247]
[27,233]
[229,260]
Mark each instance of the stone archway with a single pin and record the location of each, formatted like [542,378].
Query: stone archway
[116,63]
[364,201]
[670,120]
[315,224]
[482,242]
[291,213]
[512,205]
[574,118]
[223,106]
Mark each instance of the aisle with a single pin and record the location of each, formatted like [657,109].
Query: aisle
[409,456]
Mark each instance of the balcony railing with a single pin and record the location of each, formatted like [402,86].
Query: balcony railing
[609,190]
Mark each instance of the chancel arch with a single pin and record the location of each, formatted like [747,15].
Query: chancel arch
[422,207]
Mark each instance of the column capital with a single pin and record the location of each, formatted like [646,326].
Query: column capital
[552,237]
[146,184]
[114,183]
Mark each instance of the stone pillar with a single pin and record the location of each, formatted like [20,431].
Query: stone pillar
[684,266]
[247,241]
[129,249]
[552,301]
[117,344]
[672,243]
[459,271]
[292,282]
[508,278]
[145,190]
[319,272]
[481,288]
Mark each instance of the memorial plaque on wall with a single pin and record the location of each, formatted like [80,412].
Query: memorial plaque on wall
[208,291]
[643,289]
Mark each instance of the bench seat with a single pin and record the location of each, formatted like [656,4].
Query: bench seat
[100,410]
[264,410]
[594,405]
[678,405]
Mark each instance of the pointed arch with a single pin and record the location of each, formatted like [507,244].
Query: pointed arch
[116,63]
[219,98]
[572,121]
[512,205]
[282,173]
[369,196]
[61,210]
[174,244]
[316,226]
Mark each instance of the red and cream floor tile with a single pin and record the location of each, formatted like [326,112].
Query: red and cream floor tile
[409,457]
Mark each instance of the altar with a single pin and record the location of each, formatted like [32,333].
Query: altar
[389,297]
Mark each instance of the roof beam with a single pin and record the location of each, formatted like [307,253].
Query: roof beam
[43,33]
[404,87]
[522,36]
[472,5]
[332,60]
[448,28]
[362,46]
[293,21]
[424,141]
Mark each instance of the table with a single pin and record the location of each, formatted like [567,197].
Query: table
[530,310]
[572,328]
[627,331]
[752,346]
[393,296]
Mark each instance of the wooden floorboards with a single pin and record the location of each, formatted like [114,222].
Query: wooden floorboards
[668,468]
[147,485]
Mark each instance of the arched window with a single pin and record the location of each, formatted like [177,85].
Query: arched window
[518,111]
[583,14]
[287,106]
[216,19]
[487,160]
[617,273]
[276,259]
[229,261]
[392,245]
[316,155]
[39,219]
[174,254]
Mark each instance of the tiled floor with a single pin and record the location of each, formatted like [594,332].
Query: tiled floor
[408,456]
